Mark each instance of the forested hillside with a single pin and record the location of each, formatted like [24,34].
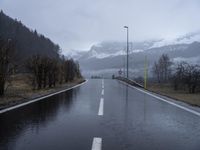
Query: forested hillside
[26,41]
[33,57]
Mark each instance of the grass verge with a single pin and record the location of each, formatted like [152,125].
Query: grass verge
[168,91]
[20,91]
[180,95]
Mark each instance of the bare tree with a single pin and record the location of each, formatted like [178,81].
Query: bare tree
[61,71]
[48,71]
[156,71]
[162,68]
[186,75]
[178,78]
[53,72]
[192,76]
[6,51]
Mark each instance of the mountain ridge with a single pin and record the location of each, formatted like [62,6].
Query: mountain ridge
[116,61]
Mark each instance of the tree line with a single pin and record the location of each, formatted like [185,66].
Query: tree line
[27,42]
[25,51]
[44,71]
[186,76]
[6,48]
[182,75]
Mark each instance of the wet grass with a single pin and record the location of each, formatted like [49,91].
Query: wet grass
[20,90]
[180,95]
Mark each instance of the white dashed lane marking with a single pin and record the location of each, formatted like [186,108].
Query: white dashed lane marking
[100,113]
[97,143]
[102,92]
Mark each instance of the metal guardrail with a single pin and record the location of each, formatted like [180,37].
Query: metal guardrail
[129,81]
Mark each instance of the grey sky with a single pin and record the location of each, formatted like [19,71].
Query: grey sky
[77,24]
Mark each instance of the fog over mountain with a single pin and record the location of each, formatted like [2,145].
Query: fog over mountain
[80,24]
[108,58]
[155,27]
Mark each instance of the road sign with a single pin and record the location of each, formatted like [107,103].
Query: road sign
[120,72]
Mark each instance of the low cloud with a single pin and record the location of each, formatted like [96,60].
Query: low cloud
[78,24]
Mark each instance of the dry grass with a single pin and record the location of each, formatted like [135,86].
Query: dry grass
[167,90]
[20,90]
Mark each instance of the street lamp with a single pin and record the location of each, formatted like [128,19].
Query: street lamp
[127,48]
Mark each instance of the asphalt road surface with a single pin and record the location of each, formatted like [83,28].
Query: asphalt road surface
[100,115]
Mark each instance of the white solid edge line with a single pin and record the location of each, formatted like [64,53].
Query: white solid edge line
[102,92]
[162,99]
[97,143]
[38,99]
[100,113]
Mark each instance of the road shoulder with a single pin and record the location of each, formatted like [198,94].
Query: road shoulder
[169,100]
[36,97]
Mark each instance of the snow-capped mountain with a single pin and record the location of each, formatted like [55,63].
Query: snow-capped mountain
[186,39]
[108,57]
[113,49]
[75,54]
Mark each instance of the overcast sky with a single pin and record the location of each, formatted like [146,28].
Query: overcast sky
[77,24]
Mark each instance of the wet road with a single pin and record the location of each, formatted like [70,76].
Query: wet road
[101,114]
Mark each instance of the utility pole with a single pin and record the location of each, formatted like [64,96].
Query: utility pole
[124,65]
[145,73]
[127,46]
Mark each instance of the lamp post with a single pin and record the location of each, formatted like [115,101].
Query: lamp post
[145,73]
[127,50]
